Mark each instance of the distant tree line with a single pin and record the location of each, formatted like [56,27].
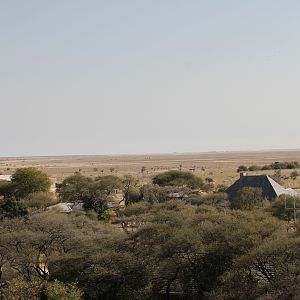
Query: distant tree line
[273,166]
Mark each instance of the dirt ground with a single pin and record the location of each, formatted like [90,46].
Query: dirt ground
[220,166]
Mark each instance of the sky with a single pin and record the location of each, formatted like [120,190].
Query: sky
[155,76]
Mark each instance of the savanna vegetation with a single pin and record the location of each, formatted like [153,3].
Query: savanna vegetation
[178,237]
[274,166]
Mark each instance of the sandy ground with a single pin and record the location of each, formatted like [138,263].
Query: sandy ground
[221,166]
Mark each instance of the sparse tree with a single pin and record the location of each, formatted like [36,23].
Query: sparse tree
[100,192]
[130,191]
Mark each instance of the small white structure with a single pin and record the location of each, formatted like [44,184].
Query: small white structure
[66,207]
[5,177]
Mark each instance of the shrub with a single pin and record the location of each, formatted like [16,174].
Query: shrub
[247,198]
[254,168]
[285,165]
[294,174]
[242,168]
[40,200]
[221,188]
[217,200]
[278,208]
[266,167]
[12,208]
[178,178]
[62,291]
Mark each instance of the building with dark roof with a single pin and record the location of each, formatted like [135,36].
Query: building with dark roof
[270,188]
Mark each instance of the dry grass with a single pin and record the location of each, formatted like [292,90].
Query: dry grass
[221,166]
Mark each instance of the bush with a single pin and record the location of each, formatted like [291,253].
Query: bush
[254,168]
[294,174]
[266,167]
[285,165]
[247,198]
[40,200]
[274,166]
[217,200]
[12,208]
[62,291]
[242,169]
[107,215]
[221,188]
[178,178]
[6,188]
[278,208]
[132,195]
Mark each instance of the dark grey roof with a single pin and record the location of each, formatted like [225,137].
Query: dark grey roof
[270,188]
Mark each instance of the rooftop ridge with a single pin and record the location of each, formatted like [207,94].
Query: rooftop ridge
[279,189]
[270,188]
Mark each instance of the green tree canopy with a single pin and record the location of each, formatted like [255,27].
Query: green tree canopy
[29,180]
[168,247]
[74,188]
[101,190]
[94,193]
[178,178]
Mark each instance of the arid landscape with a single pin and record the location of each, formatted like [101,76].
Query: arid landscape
[164,226]
[150,150]
[220,166]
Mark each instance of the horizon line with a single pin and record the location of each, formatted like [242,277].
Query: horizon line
[151,153]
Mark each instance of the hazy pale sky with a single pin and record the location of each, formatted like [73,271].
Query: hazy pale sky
[107,77]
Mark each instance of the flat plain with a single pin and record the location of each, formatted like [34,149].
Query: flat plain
[220,166]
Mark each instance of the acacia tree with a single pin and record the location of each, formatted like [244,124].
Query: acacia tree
[270,269]
[74,188]
[178,178]
[26,181]
[27,245]
[189,248]
[101,190]
[130,192]
[94,193]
